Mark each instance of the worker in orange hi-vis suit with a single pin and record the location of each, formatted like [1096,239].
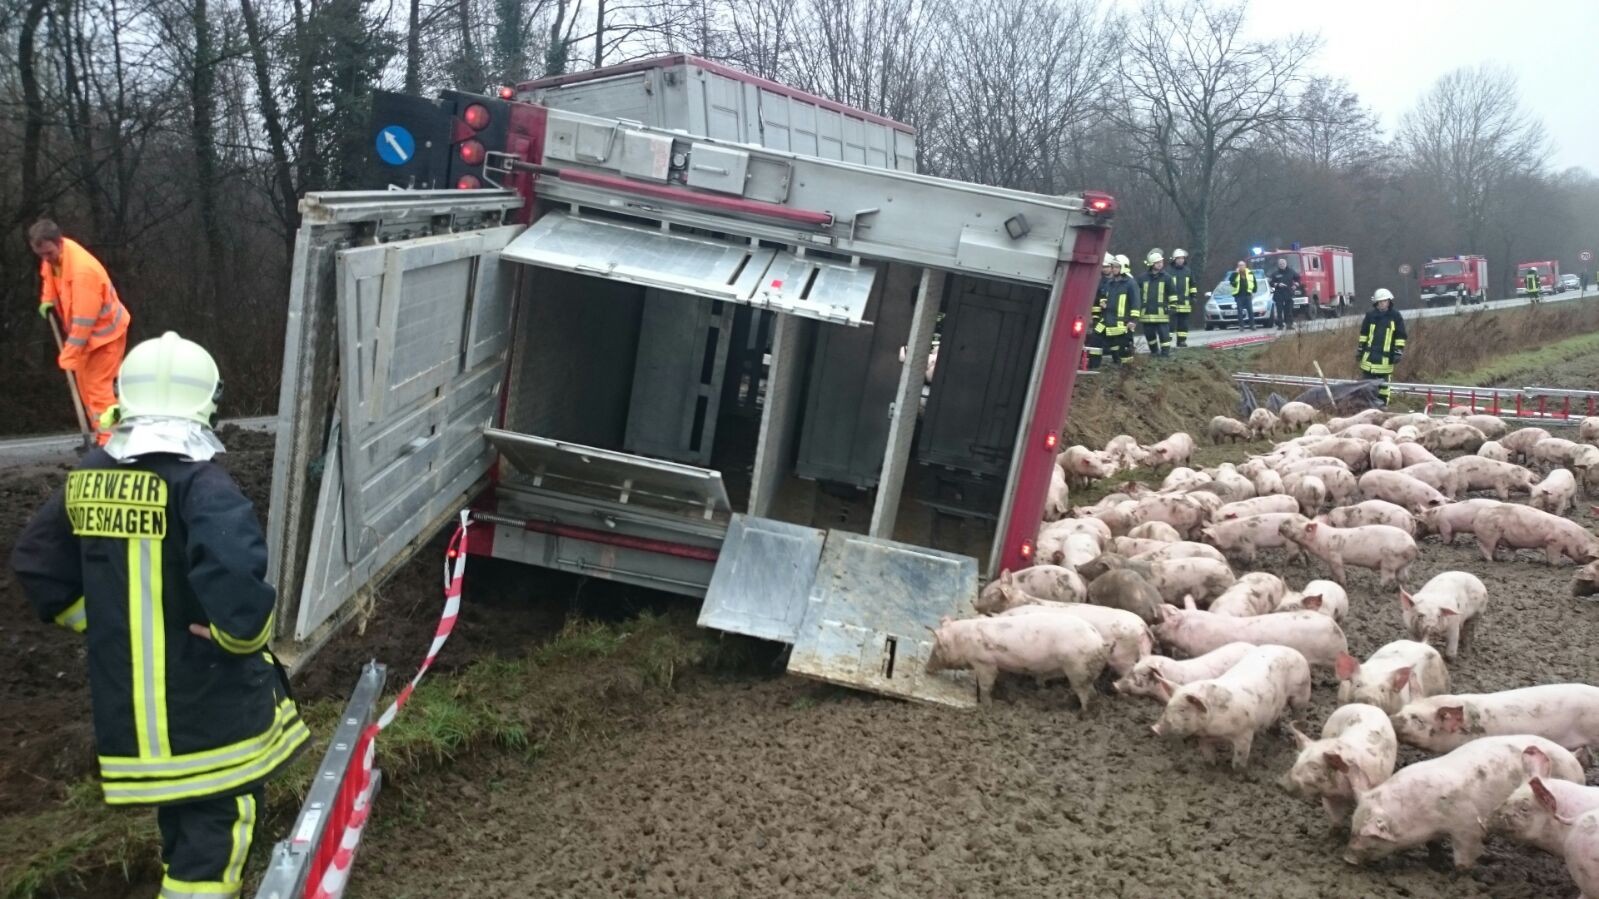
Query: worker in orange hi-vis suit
[77,288]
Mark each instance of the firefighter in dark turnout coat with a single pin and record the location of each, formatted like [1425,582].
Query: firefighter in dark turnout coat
[1183,302]
[153,553]
[1381,342]
[1156,290]
[1117,314]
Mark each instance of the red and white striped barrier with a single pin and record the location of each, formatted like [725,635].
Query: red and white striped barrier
[330,866]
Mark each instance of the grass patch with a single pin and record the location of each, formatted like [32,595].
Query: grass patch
[1517,369]
[1440,347]
[576,688]
[1152,398]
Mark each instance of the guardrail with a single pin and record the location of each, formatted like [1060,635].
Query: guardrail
[292,859]
[1543,404]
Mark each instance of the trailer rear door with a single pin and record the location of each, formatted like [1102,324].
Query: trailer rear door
[395,354]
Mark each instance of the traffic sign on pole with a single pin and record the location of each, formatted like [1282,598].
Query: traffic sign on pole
[1585,256]
[1404,268]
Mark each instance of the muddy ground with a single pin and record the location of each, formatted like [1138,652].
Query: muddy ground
[776,786]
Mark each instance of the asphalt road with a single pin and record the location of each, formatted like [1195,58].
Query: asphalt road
[1229,337]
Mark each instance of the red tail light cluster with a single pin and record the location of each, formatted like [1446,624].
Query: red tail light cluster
[471,152]
[477,115]
[468,182]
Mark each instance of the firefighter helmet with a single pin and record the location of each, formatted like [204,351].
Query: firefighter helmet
[169,377]
[1153,257]
[1179,253]
[1123,261]
[1109,260]
[1382,293]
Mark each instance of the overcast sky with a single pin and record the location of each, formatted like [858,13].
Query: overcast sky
[1391,52]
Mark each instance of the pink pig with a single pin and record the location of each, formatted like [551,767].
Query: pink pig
[1456,518]
[1450,796]
[1245,537]
[1126,634]
[1193,633]
[1400,489]
[1399,673]
[1260,505]
[1447,609]
[1386,549]
[1143,680]
[1541,812]
[1044,646]
[1554,493]
[1231,708]
[1523,527]
[1568,714]
[1372,511]
[1355,736]
[1581,844]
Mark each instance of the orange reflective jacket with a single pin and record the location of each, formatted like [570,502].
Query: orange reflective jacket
[87,303]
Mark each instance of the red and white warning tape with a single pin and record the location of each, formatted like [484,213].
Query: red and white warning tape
[330,869]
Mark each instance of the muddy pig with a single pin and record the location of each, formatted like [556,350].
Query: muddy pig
[1568,714]
[1415,454]
[1450,796]
[1162,551]
[1523,527]
[1478,473]
[1454,436]
[1174,450]
[1143,680]
[1387,456]
[1440,476]
[1494,450]
[1231,708]
[1243,538]
[1230,429]
[1127,635]
[1083,466]
[1522,440]
[1193,633]
[1267,482]
[1296,414]
[1260,505]
[1388,550]
[1586,581]
[1588,430]
[1155,530]
[1582,854]
[1554,493]
[1125,451]
[1044,646]
[1555,451]
[1355,736]
[1400,489]
[1445,610]
[1256,593]
[1354,452]
[1455,518]
[1397,674]
[1128,590]
[1184,514]
[1263,421]
[1054,583]
[1540,813]
[1310,494]
[1322,597]
[1372,511]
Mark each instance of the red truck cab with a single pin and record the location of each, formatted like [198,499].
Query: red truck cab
[1326,275]
[1455,279]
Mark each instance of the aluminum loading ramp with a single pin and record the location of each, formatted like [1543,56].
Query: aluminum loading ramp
[857,610]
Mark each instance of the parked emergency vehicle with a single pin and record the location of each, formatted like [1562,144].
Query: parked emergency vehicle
[1548,275]
[1455,279]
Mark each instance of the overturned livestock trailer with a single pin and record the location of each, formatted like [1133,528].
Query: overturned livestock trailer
[673,359]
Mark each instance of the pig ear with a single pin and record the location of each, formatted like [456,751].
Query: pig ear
[1005,577]
[1406,599]
[1164,687]
[1335,762]
[1312,603]
[1300,739]
[1400,677]
[1450,718]
[1547,799]
[1196,702]
[1448,611]
[1188,602]
[1535,761]
[1347,666]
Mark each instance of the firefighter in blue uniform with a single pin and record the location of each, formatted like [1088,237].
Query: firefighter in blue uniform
[1121,312]
[1187,288]
[1381,342]
[152,552]
[1096,331]
[1156,290]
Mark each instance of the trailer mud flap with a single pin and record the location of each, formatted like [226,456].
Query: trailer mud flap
[870,613]
[857,610]
[763,578]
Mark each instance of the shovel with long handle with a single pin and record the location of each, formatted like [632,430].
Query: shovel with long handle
[1332,403]
[72,387]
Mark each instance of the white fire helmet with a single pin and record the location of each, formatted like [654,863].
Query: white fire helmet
[1179,253]
[1154,257]
[1109,260]
[1123,261]
[1382,293]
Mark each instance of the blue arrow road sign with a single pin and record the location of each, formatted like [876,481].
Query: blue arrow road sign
[396,146]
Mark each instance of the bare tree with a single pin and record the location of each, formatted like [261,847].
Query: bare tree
[1470,135]
[1193,93]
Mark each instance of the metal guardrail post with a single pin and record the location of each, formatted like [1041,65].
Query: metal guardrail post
[287,871]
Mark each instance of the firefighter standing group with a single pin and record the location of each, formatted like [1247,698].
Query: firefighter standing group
[1161,300]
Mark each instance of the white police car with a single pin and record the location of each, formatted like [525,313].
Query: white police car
[1221,310]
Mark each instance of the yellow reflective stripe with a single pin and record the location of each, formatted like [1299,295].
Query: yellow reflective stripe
[145,631]
[172,888]
[1388,338]
[243,830]
[242,647]
[74,617]
[141,792]
[125,768]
